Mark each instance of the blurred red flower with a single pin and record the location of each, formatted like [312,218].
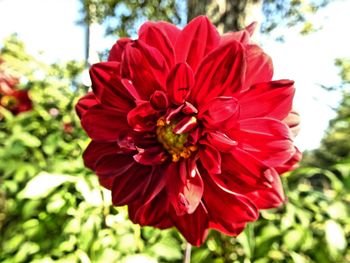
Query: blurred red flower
[12,99]
[188,129]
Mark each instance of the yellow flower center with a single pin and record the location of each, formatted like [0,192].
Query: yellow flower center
[9,101]
[172,142]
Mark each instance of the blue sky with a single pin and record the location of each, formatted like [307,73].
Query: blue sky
[49,31]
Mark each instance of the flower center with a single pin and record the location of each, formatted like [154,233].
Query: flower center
[9,101]
[172,142]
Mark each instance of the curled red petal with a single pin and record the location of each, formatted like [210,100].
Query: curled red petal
[179,83]
[117,50]
[151,156]
[195,41]
[185,125]
[188,108]
[184,186]
[143,117]
[159,100]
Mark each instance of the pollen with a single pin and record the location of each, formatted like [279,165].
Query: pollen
[173,143]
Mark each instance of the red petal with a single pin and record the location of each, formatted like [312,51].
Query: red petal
[242,36]
[293,122]
[179,83]
[227,208]
[240,166]
[151,156]
[291,164]
[220,74]
[189,109]
[219,113]
[211,159]
[270,197]
[85,103]
[184,186]
[259,66]
[193,190]
[185,125]
[271,99]
[145,67]
[269,140]
[171,31]
[104,124]
[192,226]
[221,141]
[232,230]
[159,100]
[143,117]
[145,214]
[108,88]
[107,161]
[128,187]
[154,36]
[97,150]
[195,41]
[117,50]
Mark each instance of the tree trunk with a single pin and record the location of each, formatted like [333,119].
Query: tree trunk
[227,15]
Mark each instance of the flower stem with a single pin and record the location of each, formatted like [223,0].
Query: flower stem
[187,256]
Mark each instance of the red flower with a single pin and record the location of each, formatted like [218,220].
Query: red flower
[12,99]
[188,129]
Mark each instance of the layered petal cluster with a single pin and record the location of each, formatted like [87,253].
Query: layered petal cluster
[11,98]
[188,129]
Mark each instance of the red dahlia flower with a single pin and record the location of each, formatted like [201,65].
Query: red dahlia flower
[188,129]
[12,99]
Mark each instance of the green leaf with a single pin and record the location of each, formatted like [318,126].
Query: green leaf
[335,236]
[42,184]
[29,140]
[138,258]
[294,238]
[167,248]
[297,258]
[246,239]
